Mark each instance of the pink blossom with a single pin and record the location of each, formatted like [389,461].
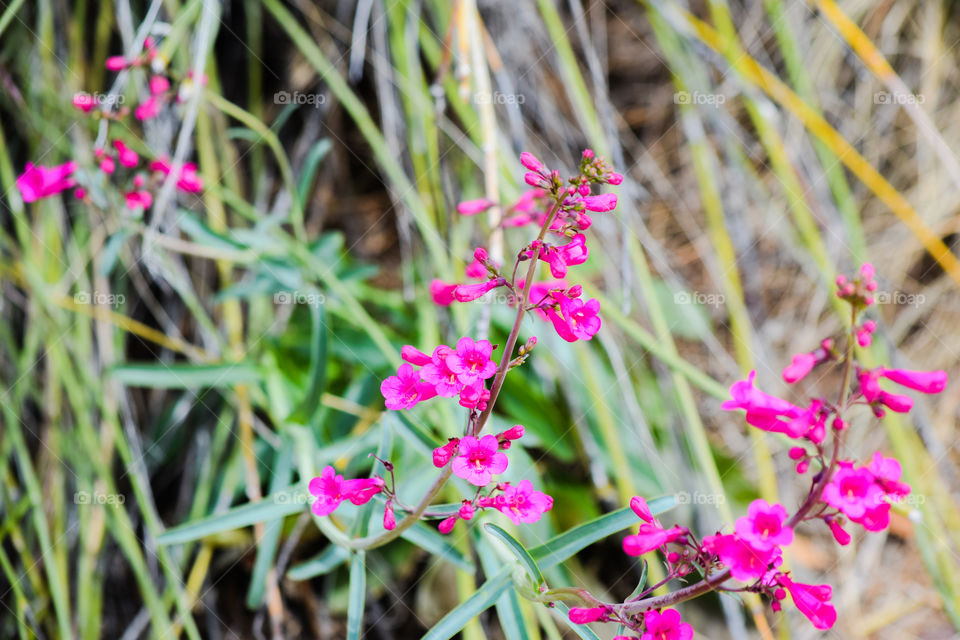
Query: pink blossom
[438,373]
[839,533]
[361,490]
[474,396]
[895,401]
[665,625]
[763,526]
[600,203]
[530,161]
[513,433]
[813,601]
[580,615]
[614,178]
[745,562]
[886,472]
[85,102]
[138,199]
[650,536]
[442,455]
[472,207]
[405,389]
[158,85]
[468,292]
[466,510]
[763,410]
[107,164]
[852,491]
[414,356]
[116,63]
[327,489]
[446,525]
[639,506]
[864,333]
[471,361]
[479,460]
[189,179]
[80,193]
[40,182]
[476,269]
[923,381]
[442,293]
[521,503]
[580,320]
[148,109]
[801,365]
[389,520]
[571,254]
[128,157]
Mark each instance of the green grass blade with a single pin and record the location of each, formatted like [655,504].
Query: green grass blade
[184,376]
[358,595]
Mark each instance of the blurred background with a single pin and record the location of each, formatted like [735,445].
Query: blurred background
[162,371]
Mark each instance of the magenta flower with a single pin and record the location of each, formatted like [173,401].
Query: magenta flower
[763,526]
[801,365]
[85,102]
[437,373]
[128,157]
[476,269]
[446,525]
[529,161]
[474,396]
[116,63]
[158,85]
[479,460]
[580,320]
[665,625]
[813,601]
[472,207]
[601,203]
[468,292]
[764,411]
[745,562]
[471,361]
[442,293]
[521,503]
[569,255]
[442,455]
[389,519]
[414,355]
[852,491]
[405,389]
[148,109]
[40,182]
[923,381]
[138,199]
[886,472]
[639,506]
[580,615]
[650,536]
[839,533]
[327,489]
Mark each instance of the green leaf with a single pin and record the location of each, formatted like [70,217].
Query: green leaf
[439,545]
[519,551]
[310,165]
[318,367]
[267,546]
[358,595]
[184,376]
[481,600]
[324,562]
[273,507]
[561,547]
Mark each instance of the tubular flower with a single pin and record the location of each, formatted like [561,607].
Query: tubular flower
[479,460]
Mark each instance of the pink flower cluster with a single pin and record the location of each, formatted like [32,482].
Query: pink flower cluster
[330,489]
[447,373]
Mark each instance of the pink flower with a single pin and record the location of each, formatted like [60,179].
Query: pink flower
[138,199]
[600,203]
[571,254]
[360,490]
[763,410]
[472,207]
[763,526]
[886,472]
[40,182]
[438,374]
[116,63]
[639,506]
[414,356]
[327,489]
[530,161]
[128,157]
[813,601]
[650,536]
[446,525]
[389,520]
[189,180]
[405,389]
[148,109]
[852,491]
[474,396]
[580,320]
[521,503]
[476,269]
[745,562]
[665,625]
[471,361]
[895,401]
[442,293]
[466,511]
[580,615]
[442,455]
[513,433]
[839,534]
[85,102]
[801,365]
[479,460]
[923,381]
[158,85]
[468,292]
[614,178]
